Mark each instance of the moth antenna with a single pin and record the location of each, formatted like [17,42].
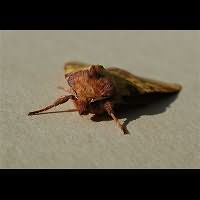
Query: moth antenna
[59,101]
[55,112]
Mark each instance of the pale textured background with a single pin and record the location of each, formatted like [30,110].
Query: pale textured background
[31,67]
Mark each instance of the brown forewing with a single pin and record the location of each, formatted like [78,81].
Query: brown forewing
[145,85]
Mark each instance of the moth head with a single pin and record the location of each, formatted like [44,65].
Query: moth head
[82,106]
[96,105]
[90,105]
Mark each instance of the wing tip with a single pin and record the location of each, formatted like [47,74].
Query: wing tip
[177,87]
[68,63]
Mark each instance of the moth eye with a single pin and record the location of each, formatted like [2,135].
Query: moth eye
[92,100]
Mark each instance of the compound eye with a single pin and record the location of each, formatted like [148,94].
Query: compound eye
[92,100]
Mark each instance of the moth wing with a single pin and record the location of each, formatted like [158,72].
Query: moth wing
[144,85]
[71,67]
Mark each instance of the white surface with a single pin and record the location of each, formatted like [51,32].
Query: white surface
[31,67]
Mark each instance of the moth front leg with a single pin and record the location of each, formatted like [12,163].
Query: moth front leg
[108,106]
[59,101]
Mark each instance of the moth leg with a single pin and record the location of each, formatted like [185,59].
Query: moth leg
[59,101]
[109,108]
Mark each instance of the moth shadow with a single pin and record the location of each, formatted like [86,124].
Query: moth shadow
[158,104]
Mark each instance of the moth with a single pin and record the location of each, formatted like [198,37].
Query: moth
[95,89]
